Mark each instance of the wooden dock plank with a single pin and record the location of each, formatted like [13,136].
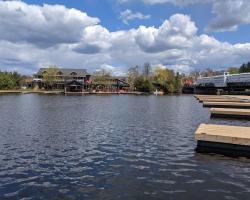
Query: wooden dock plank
[206,96]
[201,98]
[223,134]
[243,97]
[230,112]
[219,98]
[222,100]
[227,104]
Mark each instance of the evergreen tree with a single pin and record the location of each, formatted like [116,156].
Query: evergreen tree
[244,68]
[10,80]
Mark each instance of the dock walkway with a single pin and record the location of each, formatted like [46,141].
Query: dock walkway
[222,139]
[221,100]
[230,113]
[227,104]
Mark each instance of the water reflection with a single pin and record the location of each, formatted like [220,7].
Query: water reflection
[111,147]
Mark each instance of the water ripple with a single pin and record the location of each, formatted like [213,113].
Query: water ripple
[111,147]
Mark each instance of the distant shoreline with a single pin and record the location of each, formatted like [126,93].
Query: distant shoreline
[57,92]
[29,92]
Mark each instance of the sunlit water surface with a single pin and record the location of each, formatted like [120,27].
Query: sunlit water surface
[112,147]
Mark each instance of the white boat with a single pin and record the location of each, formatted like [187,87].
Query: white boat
[158,92]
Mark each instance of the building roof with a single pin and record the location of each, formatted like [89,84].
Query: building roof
[66,71]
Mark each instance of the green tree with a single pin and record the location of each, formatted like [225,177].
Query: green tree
[133,74]
[233,70]
[17,78]
[102,79]
[10,80]
[165,78]
[101,76]
[177,83]
[168,80]
[244,68]
[50,76]
[143,85]
[161,76]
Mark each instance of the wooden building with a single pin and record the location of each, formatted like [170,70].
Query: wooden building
[78,81]
[109,84]
[62,78]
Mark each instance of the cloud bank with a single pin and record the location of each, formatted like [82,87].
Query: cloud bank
[33,36]
[45,26]
[228,14]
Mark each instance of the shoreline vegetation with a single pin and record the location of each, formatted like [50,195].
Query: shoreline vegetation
[60,92]
[22,91]
[142,80]
[138,80]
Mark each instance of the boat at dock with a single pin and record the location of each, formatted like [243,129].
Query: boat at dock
[158,92]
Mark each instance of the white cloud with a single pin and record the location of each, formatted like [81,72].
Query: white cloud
[175,2]
[45,25]
[174,44]
[114,71]
[128,15]
[94,40]
[229,14]
[173,33]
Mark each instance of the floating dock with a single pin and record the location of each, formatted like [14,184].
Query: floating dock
[221,139]
[243,97]
[230,113]
[226,97]
[221,100]
[227,104]
[200,96]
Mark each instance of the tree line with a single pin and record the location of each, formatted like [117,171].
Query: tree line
[10,80]
[148,80]
[143,79]
[244,68]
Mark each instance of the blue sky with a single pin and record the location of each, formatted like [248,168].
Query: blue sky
[116,34]
[108,11]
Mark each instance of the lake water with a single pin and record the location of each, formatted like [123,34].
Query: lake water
[112,147]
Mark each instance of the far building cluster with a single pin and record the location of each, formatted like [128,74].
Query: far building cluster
[77,80]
